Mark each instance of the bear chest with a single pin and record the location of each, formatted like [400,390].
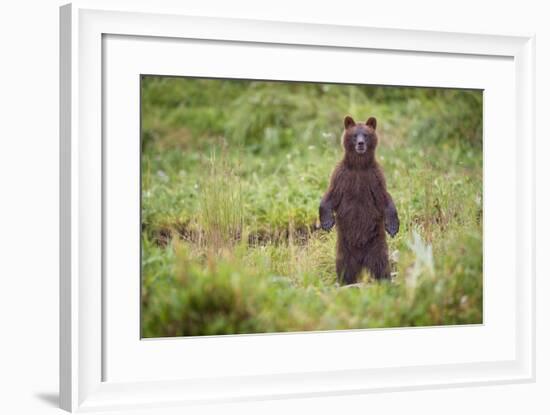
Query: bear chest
[360,192]
[358,217]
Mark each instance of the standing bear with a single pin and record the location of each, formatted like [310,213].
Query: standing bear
[358,202]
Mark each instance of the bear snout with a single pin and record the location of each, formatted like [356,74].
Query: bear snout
[360,144]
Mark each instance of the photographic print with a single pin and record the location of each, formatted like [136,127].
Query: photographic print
[276,206]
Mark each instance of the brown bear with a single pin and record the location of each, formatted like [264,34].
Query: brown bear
[358,202]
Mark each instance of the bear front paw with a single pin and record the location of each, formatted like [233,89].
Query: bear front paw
[392,227]
[327,224]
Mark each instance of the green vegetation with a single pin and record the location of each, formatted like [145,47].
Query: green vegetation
[232,175]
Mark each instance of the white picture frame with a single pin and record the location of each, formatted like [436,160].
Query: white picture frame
[85,27]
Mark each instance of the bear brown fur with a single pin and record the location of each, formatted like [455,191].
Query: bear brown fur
[359,204]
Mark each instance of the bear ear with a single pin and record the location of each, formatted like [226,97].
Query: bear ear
[371,122]
[348,122]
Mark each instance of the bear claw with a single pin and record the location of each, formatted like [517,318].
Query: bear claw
[327,225]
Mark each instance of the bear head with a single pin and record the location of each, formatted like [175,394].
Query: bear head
[359,141]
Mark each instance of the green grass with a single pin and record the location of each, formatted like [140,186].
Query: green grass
[232,175]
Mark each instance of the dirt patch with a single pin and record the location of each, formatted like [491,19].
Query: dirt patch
[298,236]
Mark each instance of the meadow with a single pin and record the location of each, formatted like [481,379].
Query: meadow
[232,175]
